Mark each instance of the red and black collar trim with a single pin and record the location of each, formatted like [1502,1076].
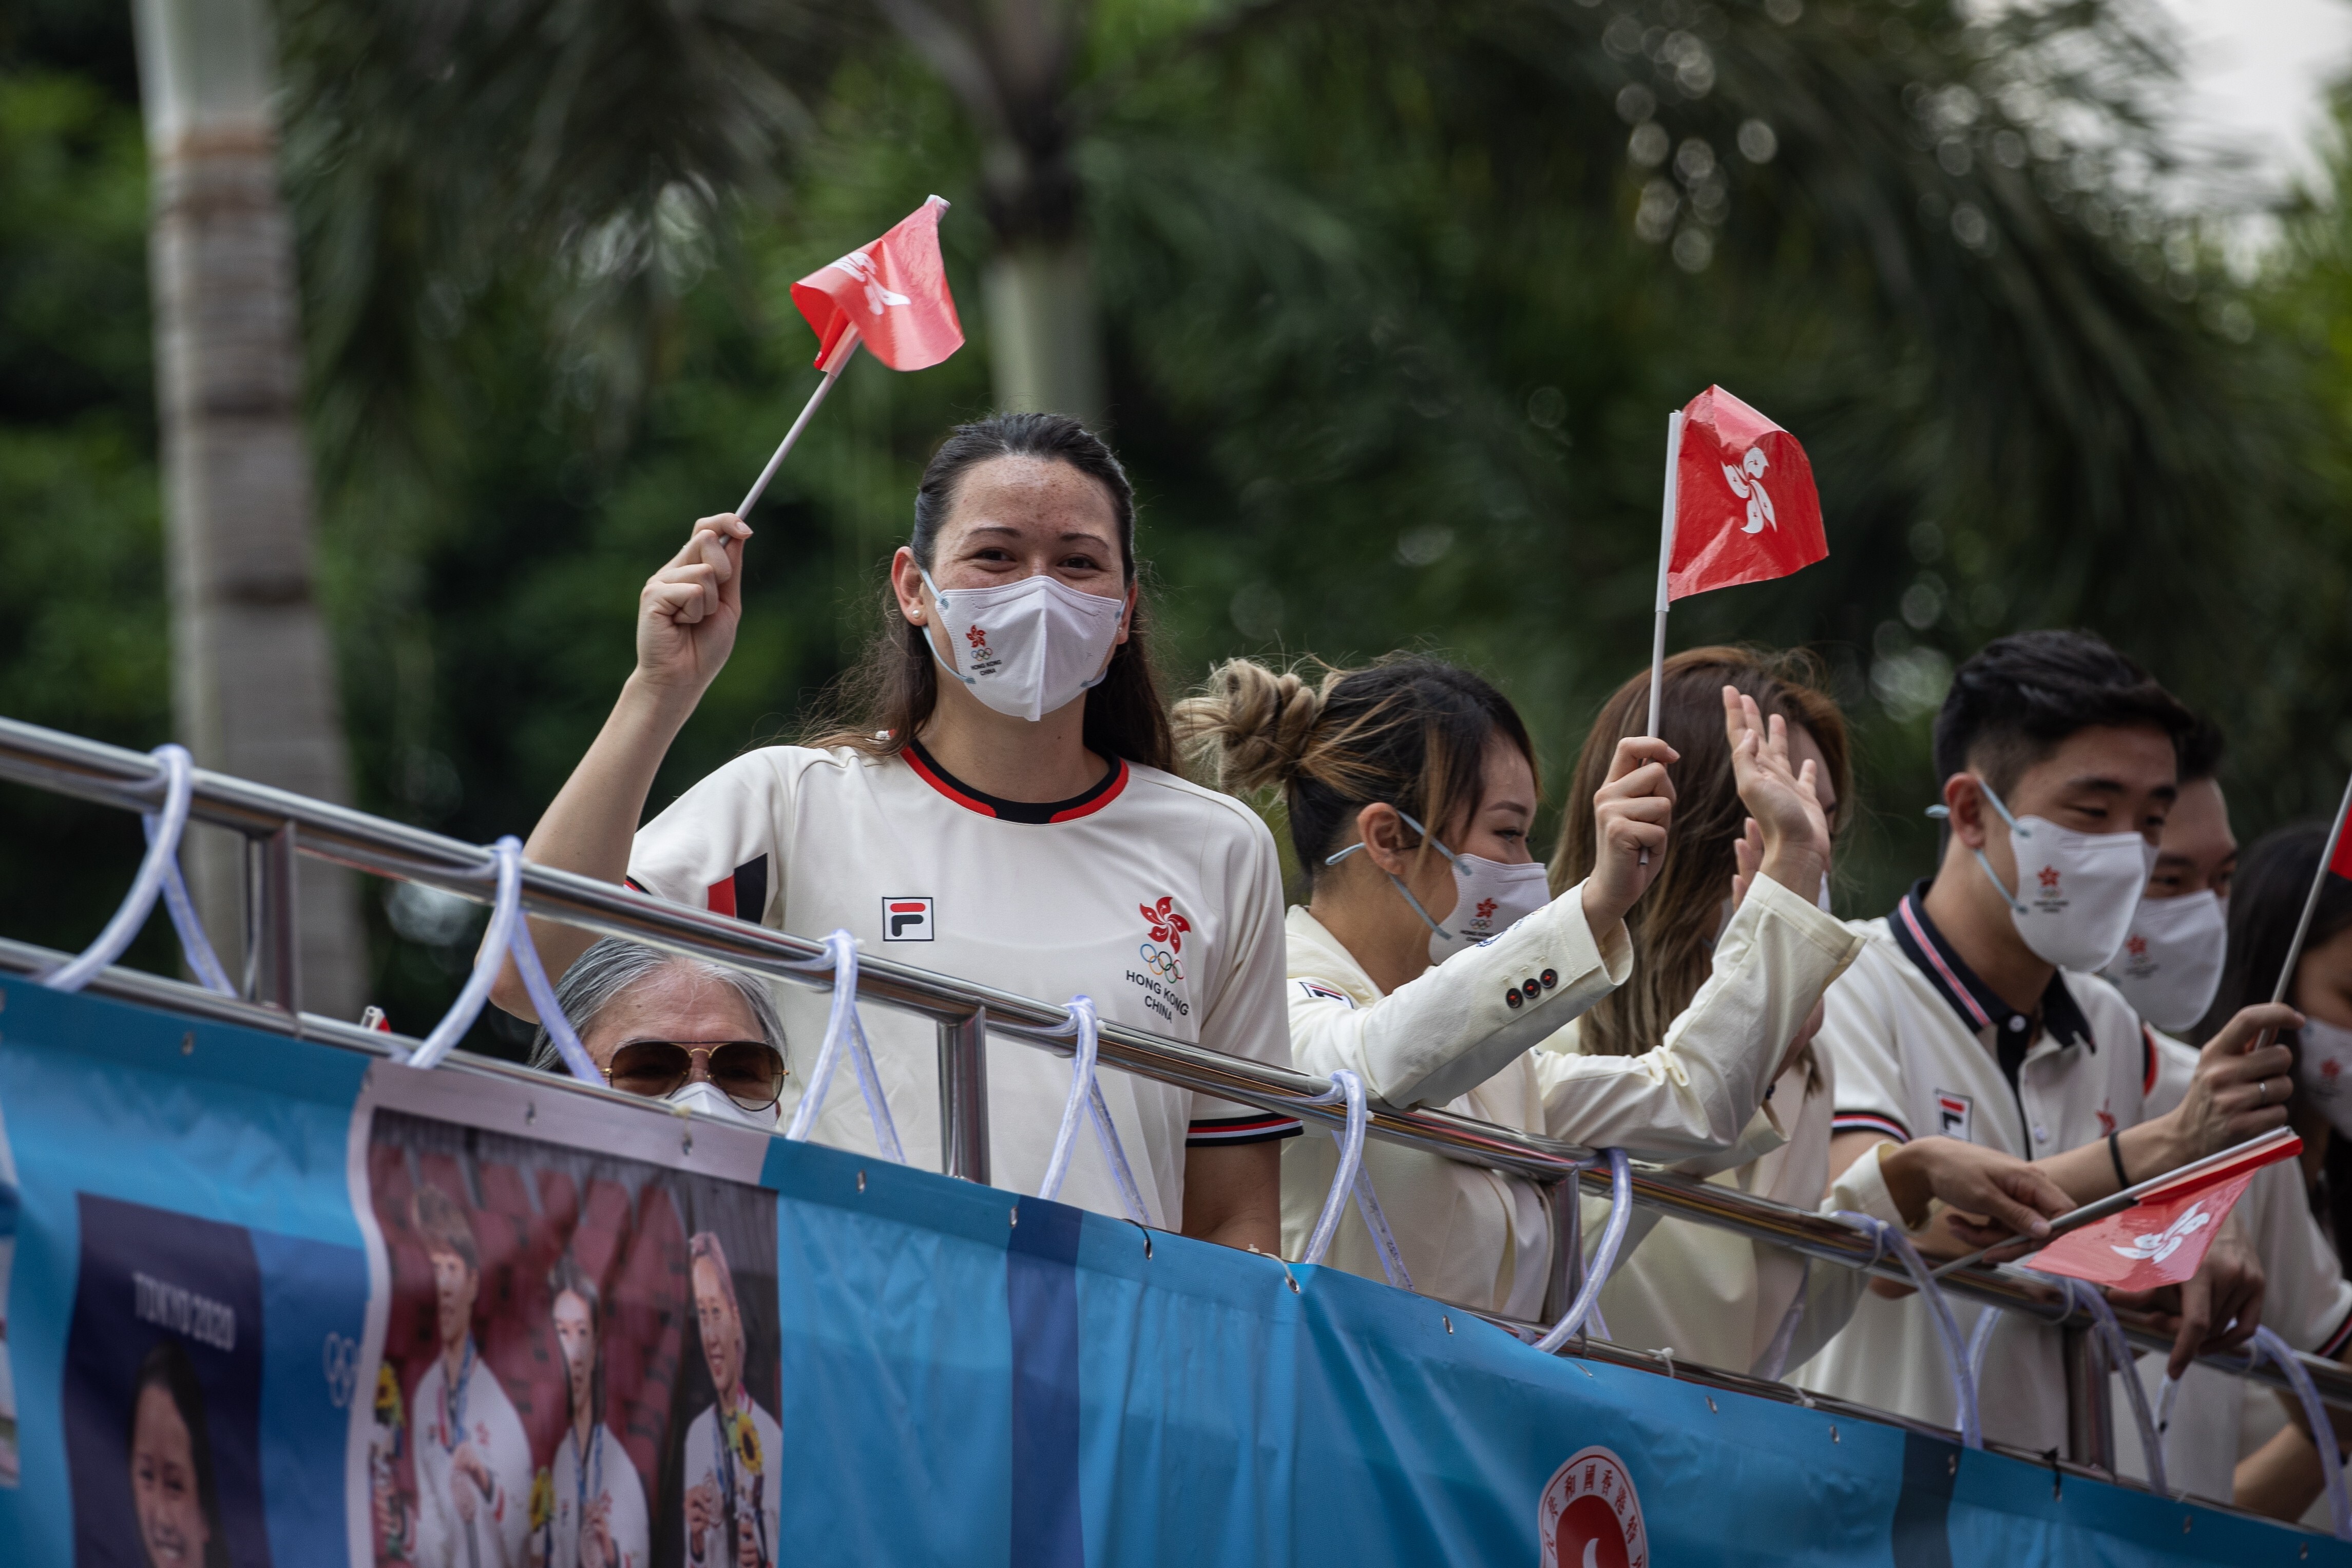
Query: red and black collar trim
[1972,999]
[1036,812]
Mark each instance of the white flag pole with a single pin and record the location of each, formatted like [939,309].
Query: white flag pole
[2310,903]
[833,367]
[1666,558]
[2115,1203]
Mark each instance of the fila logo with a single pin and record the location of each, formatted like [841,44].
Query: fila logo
[1953,1113]
[906,919]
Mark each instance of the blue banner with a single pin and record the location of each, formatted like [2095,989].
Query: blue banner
[272,1302]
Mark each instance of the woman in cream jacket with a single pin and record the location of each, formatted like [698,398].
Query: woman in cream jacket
[1706,1294]
[1433,964]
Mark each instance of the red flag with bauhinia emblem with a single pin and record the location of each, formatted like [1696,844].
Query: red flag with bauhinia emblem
[892,291]
[1745,508]
[2161,1240]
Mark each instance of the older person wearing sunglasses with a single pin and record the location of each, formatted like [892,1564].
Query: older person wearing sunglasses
[675,1029]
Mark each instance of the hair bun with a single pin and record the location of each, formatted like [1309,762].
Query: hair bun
[1252,724]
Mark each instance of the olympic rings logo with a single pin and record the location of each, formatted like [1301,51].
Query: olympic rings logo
[1160,962]
[340,1357]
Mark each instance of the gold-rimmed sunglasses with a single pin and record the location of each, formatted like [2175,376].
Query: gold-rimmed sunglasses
[749,1072]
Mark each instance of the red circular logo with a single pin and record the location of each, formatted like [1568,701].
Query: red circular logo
[1591,1516]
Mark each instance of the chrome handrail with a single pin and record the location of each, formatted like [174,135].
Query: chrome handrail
[48,759]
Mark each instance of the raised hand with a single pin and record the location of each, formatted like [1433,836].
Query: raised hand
[1747,858]
[1788,814]
[1631,811]
[688,611]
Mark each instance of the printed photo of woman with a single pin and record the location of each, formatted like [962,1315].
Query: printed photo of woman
[471,1455]
[593,1513]
[171,1485]
[734,1461]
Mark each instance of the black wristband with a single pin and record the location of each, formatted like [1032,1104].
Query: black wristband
[2116,1153]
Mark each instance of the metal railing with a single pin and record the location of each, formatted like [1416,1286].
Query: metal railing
[276,826]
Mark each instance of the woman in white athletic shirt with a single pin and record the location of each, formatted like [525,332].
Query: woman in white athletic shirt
[1002,808]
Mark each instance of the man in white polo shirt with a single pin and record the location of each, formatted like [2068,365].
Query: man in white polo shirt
[1973,1012]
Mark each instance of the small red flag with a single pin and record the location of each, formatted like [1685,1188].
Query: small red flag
[1745,507]
[894,292]
[2341,862]
[2161,1240]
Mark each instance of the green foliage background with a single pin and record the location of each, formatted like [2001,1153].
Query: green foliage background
[1392,336]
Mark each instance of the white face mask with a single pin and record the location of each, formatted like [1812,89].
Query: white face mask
[709,1100]
[1026,649]
[2077,891]
[2323,1068]
[2171,962]
[1489,896]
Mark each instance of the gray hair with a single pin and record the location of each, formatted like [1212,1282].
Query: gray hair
[599,976]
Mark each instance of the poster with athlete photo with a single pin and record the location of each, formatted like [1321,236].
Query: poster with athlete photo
[579,1363]
[163,1392]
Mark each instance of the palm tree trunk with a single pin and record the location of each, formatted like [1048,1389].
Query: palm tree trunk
[1046,348]
[253,689]
[1009,62]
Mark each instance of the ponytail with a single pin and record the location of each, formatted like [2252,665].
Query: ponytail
[1408,730]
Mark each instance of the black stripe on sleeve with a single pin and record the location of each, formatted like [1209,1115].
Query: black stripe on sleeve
[752,890]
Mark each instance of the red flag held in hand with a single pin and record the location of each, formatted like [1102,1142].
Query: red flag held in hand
[1745,507]
[2161,1240]
[892,291]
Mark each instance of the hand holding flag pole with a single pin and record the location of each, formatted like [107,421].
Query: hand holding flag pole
[2197,1179]
[891,297]
[1740,507]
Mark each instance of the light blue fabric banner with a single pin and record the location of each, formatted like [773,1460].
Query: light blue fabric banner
[270,1302]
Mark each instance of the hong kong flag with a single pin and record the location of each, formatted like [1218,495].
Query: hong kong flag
[1745,507]
[2340,862]
[2161,1240]
[893,293]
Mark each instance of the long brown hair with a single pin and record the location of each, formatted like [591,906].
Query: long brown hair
[1675,925]
[1408,730]
[876,707]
